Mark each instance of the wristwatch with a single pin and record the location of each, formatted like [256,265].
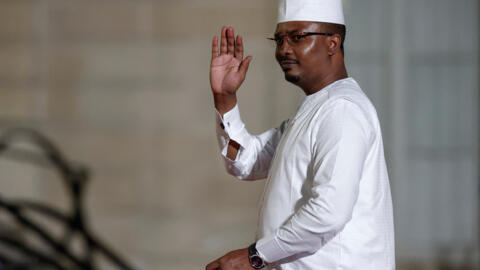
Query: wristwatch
[255,260]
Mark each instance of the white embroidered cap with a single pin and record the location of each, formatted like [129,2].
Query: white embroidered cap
[328,11]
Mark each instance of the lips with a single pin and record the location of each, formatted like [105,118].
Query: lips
[287,61]
[287,64]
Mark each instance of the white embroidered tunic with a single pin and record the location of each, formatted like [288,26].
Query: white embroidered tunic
[327,201]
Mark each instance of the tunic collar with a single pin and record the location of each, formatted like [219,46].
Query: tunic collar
[312,99]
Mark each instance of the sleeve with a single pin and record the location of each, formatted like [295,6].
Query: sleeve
[256,152]
[340,147]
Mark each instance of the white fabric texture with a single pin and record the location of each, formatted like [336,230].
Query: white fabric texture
[328,11]
[327,201]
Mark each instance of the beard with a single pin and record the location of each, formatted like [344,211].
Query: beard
[292,78]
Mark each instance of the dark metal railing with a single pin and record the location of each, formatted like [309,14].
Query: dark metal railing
[55,252]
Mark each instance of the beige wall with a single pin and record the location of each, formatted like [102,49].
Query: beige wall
[122,86]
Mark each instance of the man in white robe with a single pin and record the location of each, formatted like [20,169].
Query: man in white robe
[327,201]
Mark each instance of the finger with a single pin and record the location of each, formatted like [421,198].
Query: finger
[243,68]
[214,47]
[223,42]
[239,48]
[213,266]
[230,41]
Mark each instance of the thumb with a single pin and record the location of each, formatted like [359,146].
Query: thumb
[243,68]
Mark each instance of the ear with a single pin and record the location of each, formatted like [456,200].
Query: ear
[334,43]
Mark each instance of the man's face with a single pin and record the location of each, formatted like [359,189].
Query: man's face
[302,58]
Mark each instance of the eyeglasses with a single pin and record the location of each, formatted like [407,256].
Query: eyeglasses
[296,38]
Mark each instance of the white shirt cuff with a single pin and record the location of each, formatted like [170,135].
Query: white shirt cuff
[231,123]
[270,250]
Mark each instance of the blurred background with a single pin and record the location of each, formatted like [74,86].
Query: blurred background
[122,87]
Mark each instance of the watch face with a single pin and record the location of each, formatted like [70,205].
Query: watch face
[256,261]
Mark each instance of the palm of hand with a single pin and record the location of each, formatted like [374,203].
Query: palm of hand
[225,76]
[228,68]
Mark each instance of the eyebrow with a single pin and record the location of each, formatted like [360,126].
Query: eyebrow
[289,32]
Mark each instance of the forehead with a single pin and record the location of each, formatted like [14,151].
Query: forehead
[300,26]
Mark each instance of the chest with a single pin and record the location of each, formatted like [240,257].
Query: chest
[293,154]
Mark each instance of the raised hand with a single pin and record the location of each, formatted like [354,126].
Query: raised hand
[227,69]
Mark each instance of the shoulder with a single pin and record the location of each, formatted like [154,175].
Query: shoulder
[348,96]
[341,122]
[348,89]
[346,108]
[338,113]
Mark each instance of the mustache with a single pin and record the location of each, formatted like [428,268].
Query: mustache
[286,58]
